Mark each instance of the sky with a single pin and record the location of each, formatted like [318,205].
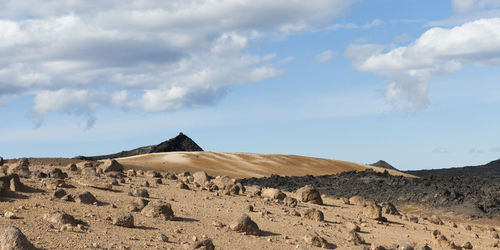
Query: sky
[414,83]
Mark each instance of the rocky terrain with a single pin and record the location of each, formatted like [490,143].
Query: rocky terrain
[179,143]
[491,168]
[102,205]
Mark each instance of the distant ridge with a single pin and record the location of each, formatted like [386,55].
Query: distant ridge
[383,164]
[491,168]
[179,143]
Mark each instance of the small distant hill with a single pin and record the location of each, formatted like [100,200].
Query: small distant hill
[383,164]
[179,143]
[491,168]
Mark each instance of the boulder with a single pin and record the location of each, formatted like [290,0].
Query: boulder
[89,172]
[110,165]
[273,194]
[315,240]
[201,177]
[205,244]
[357,200]
[373,211]
[244,224]
[57,173]
[222,181]
[86,198]
[72,167]
[313,214]
[290,202]
[309,194]
[231,189]
[140,192]
[138,205]
[389,208]
[158,208]
[15,184]
[13,238]
[153,174]
[124,220]
[60,218]
[59,193]
[21,168]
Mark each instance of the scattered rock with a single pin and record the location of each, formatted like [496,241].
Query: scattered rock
[467,245]
[357,200]
[131,173]
[158,208]
[15,183]
[59,193]
[57,173]
[182,185]
[436,220]
[494,235]
[153,174]
[138,205]
[72,167]
[60,218]
[313,214]
[86,198]
[201,177]
[355,239]
[205,244]
[124,220]
[273,194]
[389,208]
[21,168]
[140,192]
[352,227]
[290,202]
[232,189]
[10,215]
[315,240]
[373,211]
[89,172]
[309,194]
[13,238]
[244,224]
[163,238]
[1,161]
[68,197]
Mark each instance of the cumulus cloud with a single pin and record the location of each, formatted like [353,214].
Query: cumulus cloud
[470,5]
[324,56]
[437,51]
[75,56]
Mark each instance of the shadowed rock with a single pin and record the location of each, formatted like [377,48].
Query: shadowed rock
[59,218]
[13,238]
[244,224]
[124,220]
[313,214]
[308,193]
[111,166]
[159,209]
[86,198]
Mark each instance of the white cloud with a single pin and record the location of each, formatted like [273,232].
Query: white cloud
[351,26]
[471,5]
[437,51]
[75,56]
[325,56]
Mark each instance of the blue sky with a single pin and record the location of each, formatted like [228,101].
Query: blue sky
[360,81]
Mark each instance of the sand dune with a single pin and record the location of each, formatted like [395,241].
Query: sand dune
[243,165]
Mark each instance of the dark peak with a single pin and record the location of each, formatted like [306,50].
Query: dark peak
[383,164]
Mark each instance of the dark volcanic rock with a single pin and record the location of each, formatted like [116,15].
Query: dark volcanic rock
[473,195]
[178,143]
[492,168]
[383,164]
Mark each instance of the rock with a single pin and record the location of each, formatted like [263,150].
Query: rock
[15,183]
[345,201]
[131,173]
[315,240]
[352,227]
[405,246]
[89,172]
[140,192]
[205,244]
[309,194]
[201,177]
[59,193]
[182,185]
[290,202]
[60,218]
[467,245]
[355,239]
[313,214]
[244,224]
[10,215]
[158,181]
[357,200]
[423,247]
[1,161]
[389,208]
[21,168]
[163,238]
[153,174]
[68,197]
[86,198]
[222,181]
[13,238]
[111,166]
[412,218]
[436,220]
[145,184]
[494,235]
[442,241]
[273,194]
[232,189]
[373,211]
[250,208]
[241,187]
[138,205]
[158,208]
[124,220]
[57,173]
[72,167]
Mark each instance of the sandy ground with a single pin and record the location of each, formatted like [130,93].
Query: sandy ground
[197,210]
[243,165]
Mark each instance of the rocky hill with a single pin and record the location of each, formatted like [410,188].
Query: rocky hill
[179,143]
[492,168]
[383,164]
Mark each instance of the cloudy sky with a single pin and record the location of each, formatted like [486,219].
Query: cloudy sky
[415,83]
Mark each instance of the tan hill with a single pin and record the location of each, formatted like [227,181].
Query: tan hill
[244,165]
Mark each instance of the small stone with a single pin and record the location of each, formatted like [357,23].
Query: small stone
[163,238]
[60,218]
[313,214]
[250,208]
[315,240]
[205,244]
[354,238]
[405,246]
[9,215]
[290,202]
[352,227]
[86,198]
[182,185]
[140,192]
[59,193]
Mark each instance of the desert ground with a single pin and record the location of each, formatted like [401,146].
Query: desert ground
[155,204]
